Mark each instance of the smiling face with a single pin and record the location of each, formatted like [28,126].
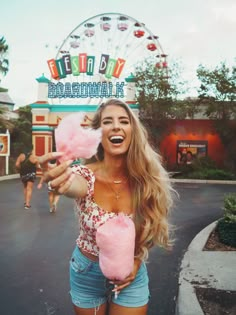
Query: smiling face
[116,130]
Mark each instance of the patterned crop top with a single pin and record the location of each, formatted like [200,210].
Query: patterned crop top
[90,215]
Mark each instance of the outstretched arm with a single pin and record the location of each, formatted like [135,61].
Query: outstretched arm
[61,178]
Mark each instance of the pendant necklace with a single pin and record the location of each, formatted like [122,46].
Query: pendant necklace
[117,192]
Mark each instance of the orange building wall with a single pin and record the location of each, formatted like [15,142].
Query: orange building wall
[192,130]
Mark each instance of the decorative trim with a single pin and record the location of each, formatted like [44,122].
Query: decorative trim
[42,128]
[72,108]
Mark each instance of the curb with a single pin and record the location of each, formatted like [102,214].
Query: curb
[185,288]
[203,181]
[201,238]
[204,269]
[7,177]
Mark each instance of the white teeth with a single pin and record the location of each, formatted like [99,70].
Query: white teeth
[116,138]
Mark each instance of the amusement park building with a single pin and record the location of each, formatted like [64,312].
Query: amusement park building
[189,136]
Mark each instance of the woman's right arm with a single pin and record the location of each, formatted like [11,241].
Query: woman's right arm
[62,178]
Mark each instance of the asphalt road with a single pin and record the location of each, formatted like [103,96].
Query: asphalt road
[35,248]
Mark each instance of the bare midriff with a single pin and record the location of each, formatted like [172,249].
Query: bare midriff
[88,255]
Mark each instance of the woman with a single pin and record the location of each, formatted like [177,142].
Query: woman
[27,164]
[127,177]
[53,197]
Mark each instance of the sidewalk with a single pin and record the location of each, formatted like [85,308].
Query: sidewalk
[8,177]
[206,269]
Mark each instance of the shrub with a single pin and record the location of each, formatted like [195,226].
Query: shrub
[218,174]
[226,226]
[204,162]
[203,168]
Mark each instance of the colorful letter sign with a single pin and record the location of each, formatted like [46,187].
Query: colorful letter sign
[82,63]
[85,65]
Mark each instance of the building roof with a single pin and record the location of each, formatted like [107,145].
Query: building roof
[5,99]
[43,79]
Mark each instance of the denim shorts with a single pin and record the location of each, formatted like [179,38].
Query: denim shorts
[89,288]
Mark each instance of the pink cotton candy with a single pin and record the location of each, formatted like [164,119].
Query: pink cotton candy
[116,242]
[74,140]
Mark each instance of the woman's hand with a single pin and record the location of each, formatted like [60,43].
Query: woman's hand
[39,186]
[119,285]
[59,177]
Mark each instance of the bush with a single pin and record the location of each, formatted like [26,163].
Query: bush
[216,174]
[230,207]
[226,226]
[204,162]
[227,232]
[203,168]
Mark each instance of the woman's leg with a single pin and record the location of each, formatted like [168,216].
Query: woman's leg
[115,309]
[100,310]
[29,189]
[88,287]
[56,198]
[50,199]
[25,192]
[132,300]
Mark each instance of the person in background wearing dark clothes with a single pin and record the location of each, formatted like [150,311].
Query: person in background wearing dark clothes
[53,197]
[26,165]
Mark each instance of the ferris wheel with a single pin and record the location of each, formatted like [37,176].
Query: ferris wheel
[104,49]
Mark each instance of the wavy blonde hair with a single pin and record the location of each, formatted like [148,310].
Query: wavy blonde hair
[150,185]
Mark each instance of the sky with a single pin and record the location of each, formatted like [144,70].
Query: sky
[191,32]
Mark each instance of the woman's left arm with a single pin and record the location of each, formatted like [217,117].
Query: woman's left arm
[18,162]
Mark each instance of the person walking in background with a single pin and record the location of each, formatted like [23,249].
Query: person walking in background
[27,164]
[128,179]
[53,197]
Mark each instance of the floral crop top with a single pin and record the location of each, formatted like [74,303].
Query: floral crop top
[90,215]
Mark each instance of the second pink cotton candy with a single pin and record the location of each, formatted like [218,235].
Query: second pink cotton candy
[116,242]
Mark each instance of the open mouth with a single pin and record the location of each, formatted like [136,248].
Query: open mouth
[116,139]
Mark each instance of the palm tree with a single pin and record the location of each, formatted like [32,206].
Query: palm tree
[5,123]
[4,63]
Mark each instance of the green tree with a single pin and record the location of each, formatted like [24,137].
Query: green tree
[159,92]
[5,123]
[218,93]
[21,136]
[4,63]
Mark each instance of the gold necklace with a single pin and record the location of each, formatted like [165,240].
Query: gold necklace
[120,181]
[116,192]
[117,181]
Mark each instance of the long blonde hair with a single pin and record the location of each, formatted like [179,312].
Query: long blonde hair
[149,182]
